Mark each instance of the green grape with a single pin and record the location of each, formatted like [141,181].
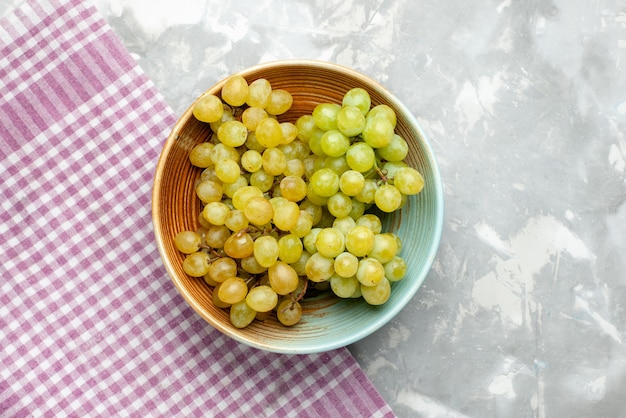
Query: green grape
[290,248]
[370,272]
[200,155]
[351,182]
[334,143]
[251,117]
[262,298]
[326,221]
[236,220]
[315,143]
[209,174]
[387,198]
[196,264]
[295,168]
[221,269]
[287,216]
[312,163]
[325,116]
[315,198]
[250,265]
[390,168]
[330,242]
[241,196]
[239,244]
[306,127]
[309,240]
[209,108]
[358,209]
[344,287]
[395,269]
[378,293]
[370,221]
[385,247]
[378,132]
[384,111]
[258,211]
[289,312]
[216,236]
[262,180]
[222,151]
[209,191]
[299,266]
[338,164]
[368,194]
[303,224]
[230,189]
[216,212]
[283,278]
[226,116]
[274,161]
[290,133]
[346,264]
[313,209]
[357,97]
[233,290]
[360,157]
[350,121]
[408,180]
[280,102]
[293,188]
[259,93]
[216,300]
[187,242]
[251,160]
[227,170]
[319,268]
[268,133]
[252,143]
[241,314]
[396,150]
[235,91]
[360,240]
[324,182]
[232,133]
[344,224]
[339,205]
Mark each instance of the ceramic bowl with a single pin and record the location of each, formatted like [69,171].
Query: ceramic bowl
[328,322]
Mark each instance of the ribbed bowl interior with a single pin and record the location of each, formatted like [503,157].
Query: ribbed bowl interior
[328,322]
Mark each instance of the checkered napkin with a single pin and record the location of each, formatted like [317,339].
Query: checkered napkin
[90,323]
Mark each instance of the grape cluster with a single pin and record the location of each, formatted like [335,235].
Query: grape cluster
[286,206]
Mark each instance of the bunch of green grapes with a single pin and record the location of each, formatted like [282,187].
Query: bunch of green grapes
[286,206]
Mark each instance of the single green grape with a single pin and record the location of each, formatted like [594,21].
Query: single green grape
[324,182]
[378,293]
[334,143]
[209,108]
[408,180]
[330,242]
[289,312]
[325,116]
[350,121]
[241,314]
[396,150]
[232,133]
[360,157]
[235,91]
[360,240]
[259,93]
[187,242]
[196,264]
[387,198]
[359,98]
[344,287]
[200,155]
[370,272]
[262,298]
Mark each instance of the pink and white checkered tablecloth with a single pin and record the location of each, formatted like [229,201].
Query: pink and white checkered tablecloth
[90,323]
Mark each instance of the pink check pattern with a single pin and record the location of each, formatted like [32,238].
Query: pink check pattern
[90,324]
